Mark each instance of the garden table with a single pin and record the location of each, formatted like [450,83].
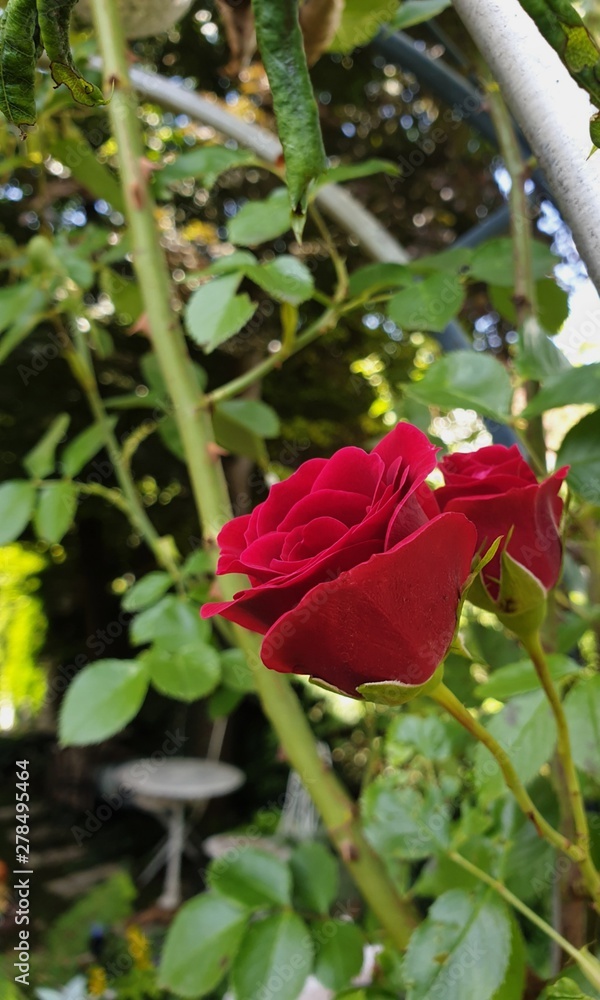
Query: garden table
[171,785]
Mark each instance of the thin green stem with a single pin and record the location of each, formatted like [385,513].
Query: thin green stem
[108,493]
[524,295]
[565,755]
[338,262]
[587,963]
[444,697]
[82,367]
[210,490]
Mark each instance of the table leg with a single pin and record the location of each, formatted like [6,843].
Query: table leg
[171,895]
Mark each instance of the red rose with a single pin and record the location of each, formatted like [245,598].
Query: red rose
[355,575]
[495,488]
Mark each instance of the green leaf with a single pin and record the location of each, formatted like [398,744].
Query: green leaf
[514,980]
[581,451]
[340,956]
[565,989]
[361,22]
[316,876]
[493,262]
[466,379]
[253,414]
[13,300]
[354,171]
[214,312]
[28,319]
[403,823]
[491,645]
[55,510]
[538,355]
[84,447]
[223,702]
[279,943]
[456,259]
[101,700]
[187,673]
[72,148]
[414,12]
[462,949]
[124,294]
[241,424]
[146,591]
[552,304]
[521,677]
[261,221]
[525,729]
[41,461]
[576,385]
[206,163]
[253,877]
[374,278]
[239,260]
[285,279]
[171,623]
[17,500]
[582,708]
[426,735]
[429,304]
[282,51]
[237,675]
[197,564]
[201,944]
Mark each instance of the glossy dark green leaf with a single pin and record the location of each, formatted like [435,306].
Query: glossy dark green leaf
[253,877]
[316,876]
[207,163]
[466,379]
[187,673]
[281,942]
[146,591]
[17,60]
[41,461]
[84,447]
[526,730]
[214,312]
[518,678]
[403,823]
[285,279]
[428,305]
[261,221]
[171,623]
[577,385]
[17,501]
[101,700]
[581,451]
[55,510]
[582,708]
[201,944]
[461,951]
[339,957]
[493,262]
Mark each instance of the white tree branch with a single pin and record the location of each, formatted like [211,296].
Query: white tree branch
[551,109]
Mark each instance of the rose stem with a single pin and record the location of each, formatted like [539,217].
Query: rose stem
[443,696]
[586,962]
[210,489]
[536,653]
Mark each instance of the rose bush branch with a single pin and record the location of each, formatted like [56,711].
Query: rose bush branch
[210,489]
[535,650]
[586,962]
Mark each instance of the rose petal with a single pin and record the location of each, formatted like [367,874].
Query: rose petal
[391,618]
[284,496]
[232,541]
[351,469]
[408,447]
[533,513]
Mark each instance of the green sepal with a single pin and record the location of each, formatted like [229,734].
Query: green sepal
[331,688]
[521,602]
[397,693]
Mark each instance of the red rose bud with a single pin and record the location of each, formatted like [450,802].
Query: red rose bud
[495,488]
[356,577]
